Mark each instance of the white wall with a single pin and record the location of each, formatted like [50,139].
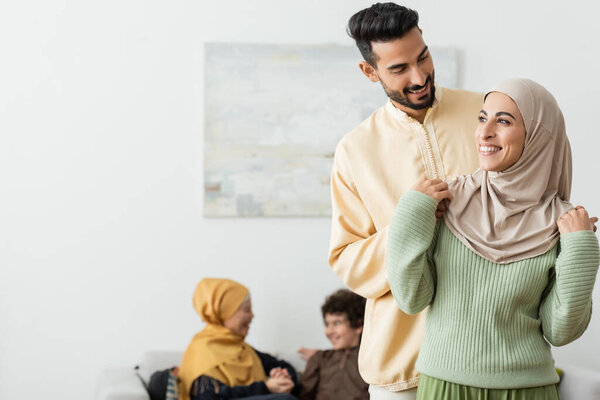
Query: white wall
[102,238]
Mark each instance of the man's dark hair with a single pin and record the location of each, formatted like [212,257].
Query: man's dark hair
[345,302]
[381,22]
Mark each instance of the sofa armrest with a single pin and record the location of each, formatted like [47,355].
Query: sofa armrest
[120,384]
[579,383]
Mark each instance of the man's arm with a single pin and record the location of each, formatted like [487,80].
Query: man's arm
[357,249]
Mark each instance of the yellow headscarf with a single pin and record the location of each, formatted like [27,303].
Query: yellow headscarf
[216,351]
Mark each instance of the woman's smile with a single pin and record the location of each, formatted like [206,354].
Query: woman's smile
[488,150]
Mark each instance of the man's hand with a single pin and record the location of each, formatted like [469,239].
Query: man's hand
[576,220]
[279,384]
[438,190]
[306,353]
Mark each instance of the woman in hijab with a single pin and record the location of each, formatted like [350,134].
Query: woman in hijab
[512,265]
[218,364]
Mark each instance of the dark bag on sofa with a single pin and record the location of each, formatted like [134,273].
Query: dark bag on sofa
[163,385]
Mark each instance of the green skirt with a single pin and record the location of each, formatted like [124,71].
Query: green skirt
[432,388]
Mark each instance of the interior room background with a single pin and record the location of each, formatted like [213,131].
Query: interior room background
[102,235]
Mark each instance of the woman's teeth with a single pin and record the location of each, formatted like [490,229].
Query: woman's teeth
[489,149]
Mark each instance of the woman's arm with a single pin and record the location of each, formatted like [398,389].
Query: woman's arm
[209,388]
[269,363]
[412,239]
[566,310]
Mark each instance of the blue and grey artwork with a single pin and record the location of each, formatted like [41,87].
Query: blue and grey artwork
[273,116]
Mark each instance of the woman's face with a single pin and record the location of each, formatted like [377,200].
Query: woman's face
[500,135]
[239,322]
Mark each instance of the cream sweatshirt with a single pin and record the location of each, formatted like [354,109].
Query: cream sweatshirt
[374,165]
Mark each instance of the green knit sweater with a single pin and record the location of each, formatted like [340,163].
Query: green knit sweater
[486,322]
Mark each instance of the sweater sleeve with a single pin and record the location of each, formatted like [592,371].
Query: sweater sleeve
[357,248]
[411,242]
[566,310]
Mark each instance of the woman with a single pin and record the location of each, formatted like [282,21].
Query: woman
[218,364]
[501,278]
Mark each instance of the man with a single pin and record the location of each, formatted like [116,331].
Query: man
[423,131]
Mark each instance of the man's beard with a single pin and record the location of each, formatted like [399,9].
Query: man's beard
[401,97]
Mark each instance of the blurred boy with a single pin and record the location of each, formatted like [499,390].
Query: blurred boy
[333,374]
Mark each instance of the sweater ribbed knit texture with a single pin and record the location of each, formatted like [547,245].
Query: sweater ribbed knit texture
[488,324]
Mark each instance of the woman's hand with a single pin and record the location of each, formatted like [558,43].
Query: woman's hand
[438,190]
[279,372]
[576,220]
[306,353]
[279,384]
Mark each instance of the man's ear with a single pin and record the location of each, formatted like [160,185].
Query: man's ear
[369,71]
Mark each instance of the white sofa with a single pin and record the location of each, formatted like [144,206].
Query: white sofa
[579,383]
[123,383]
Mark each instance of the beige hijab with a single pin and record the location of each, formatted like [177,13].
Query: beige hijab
[511,215]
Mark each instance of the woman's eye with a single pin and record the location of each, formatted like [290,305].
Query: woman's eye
[503,121]
[481,119]
[422,59]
